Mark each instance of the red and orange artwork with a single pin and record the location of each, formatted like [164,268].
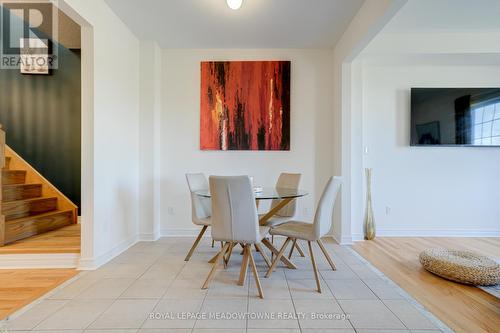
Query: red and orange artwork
[245,105]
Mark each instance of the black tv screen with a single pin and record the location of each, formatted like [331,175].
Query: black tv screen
[455,117]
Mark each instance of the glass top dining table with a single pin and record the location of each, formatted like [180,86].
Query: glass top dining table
[267,193]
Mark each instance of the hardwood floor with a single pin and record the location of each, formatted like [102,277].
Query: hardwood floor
[463,308]
[20,287]
[64,240]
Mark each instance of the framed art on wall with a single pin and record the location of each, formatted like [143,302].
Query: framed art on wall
[245,105]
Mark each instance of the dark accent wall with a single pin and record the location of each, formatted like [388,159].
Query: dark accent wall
[41,115]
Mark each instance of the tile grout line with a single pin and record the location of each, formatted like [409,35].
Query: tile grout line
[248,302]
[379,299]
[204,298]
[166,290]
[118,298]
[293,302]
[337,301]
[431,317]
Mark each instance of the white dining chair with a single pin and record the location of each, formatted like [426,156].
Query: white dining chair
[311,232]
[287,213]
[201,207]
[235,220]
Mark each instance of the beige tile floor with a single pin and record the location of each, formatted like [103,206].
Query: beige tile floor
[151,278]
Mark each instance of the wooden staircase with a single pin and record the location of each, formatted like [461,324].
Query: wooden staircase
[30,205]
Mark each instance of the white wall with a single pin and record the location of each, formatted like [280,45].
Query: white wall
[311,134]
[110,131]
[150,109]
[434,191]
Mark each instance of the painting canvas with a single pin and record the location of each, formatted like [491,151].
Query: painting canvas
[245,105]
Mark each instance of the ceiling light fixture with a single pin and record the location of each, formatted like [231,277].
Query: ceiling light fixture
[234,4]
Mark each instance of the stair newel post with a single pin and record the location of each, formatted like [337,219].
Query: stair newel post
[2,164]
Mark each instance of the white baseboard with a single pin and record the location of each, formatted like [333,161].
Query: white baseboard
[431,233]
[438,233]
[182,232]
[95,262]
[341,240]
[149,237]
[357,237]
[42,260]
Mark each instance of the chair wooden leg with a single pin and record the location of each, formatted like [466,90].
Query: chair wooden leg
[327,256]
[299,248]
[293,247]
[284,259]
[263,254]
[272,253]
[229,252]
[315,269]
[200,235]
[214,267]
[278,257]
[244,267]
[254,270]
[212,260]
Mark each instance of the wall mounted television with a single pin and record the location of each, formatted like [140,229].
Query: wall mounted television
[455,117]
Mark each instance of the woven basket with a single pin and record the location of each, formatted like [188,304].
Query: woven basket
[461,266]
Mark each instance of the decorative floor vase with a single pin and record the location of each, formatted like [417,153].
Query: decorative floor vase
[369,223]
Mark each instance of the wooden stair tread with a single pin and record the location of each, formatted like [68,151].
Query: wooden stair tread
[31,199]
[31,217]
[28,207]
[15,192]
[10,177]
[25,184]
[28,226]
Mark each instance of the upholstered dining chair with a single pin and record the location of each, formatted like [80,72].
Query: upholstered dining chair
[287,213]
[235,220]
[311,232]
[201,208]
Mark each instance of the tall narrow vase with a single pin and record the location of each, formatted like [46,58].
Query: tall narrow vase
[369,223]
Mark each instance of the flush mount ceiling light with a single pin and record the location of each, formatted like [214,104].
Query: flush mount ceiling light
[234,4]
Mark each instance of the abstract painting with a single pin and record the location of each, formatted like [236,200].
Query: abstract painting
[245,105]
